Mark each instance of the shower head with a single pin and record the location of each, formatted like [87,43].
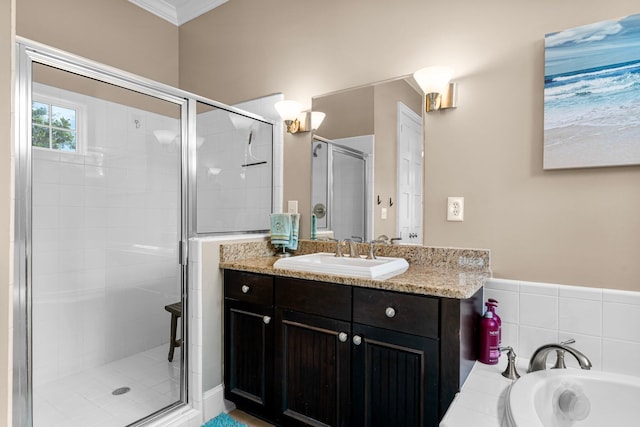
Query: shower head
[315,150]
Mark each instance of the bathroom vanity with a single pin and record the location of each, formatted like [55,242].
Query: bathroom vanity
[314,349]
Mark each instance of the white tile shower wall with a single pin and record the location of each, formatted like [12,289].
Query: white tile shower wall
[603,322]
[264,107]
[102,271]
[231,197]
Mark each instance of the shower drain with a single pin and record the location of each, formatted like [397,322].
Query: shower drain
[121,390]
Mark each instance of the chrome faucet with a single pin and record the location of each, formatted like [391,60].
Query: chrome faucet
[353,248]
[338,245]
[384,238]
[371,254]
[539,359]
[560,355]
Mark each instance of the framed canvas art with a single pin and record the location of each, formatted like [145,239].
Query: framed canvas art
[592,95]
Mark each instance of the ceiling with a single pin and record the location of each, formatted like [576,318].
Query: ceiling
[178,11]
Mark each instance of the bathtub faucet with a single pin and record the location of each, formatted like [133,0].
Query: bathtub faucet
[539,359]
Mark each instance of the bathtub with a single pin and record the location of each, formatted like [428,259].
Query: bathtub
[568,397]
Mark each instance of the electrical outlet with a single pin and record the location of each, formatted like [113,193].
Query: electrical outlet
[455,209]
[292,207]
[383,213]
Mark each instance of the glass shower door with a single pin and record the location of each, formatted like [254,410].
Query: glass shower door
[348,187]
[105,279]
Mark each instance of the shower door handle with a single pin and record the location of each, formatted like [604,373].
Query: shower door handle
[182,253]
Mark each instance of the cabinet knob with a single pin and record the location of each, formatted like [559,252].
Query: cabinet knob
[357,339]
[342,336]
[390,312]
[245,289]
[266,320]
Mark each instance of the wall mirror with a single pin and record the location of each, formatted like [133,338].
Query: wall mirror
[367,162]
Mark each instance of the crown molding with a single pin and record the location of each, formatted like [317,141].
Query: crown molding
[178,12]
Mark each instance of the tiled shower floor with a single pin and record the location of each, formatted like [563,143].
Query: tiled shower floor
[86,399]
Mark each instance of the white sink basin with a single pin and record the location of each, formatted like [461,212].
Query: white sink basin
[323,262]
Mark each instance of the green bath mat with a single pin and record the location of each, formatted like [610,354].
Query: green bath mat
[223,420]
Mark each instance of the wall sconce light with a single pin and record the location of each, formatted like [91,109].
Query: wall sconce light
[439,91]
[297,120]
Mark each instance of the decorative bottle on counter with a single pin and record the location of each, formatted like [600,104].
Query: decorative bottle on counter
[489,351]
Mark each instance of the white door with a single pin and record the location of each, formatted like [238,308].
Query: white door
[410,160]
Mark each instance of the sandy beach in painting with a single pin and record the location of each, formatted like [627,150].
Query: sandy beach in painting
[592,95]
[588,146]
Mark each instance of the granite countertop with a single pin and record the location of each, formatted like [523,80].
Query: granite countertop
[441,272]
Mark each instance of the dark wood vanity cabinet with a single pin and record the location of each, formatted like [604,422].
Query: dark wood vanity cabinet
[395,359]
[248,341]
[313,352]
[344,355]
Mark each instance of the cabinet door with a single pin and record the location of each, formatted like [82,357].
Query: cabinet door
[395,378]
[248,364]
[313,372]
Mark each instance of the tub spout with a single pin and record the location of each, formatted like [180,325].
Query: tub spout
[539,359]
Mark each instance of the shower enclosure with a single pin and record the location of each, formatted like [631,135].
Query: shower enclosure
[340,189]
[108,170]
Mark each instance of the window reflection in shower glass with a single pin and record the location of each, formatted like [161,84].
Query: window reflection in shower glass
[234,171]
[105,232]
[53,127]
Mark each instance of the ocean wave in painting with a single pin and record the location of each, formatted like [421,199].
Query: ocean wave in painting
[602,96]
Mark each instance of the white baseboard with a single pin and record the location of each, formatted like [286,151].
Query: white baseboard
[214,403]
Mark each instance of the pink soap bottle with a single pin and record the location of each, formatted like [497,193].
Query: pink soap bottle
[489,351]
[493,304]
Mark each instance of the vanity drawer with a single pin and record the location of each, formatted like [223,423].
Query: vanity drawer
[248,287]
[412,314]
[319,298]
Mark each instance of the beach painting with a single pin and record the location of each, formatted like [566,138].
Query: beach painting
[592,95]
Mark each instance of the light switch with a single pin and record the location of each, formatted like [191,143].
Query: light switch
[292,207]
[383,213]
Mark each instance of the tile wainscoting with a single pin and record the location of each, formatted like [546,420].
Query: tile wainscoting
[604,322]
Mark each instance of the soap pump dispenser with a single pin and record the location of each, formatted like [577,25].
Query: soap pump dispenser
[492,304]
[489,351]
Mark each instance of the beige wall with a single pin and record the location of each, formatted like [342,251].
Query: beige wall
[348,113]
[7,32]
[113,32]
[561,226]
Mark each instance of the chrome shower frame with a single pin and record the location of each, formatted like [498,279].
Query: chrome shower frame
[27,53]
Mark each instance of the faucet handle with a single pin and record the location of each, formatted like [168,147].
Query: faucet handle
[384,238]
[371,254]
[559,360]
[510,372]
[560,355]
